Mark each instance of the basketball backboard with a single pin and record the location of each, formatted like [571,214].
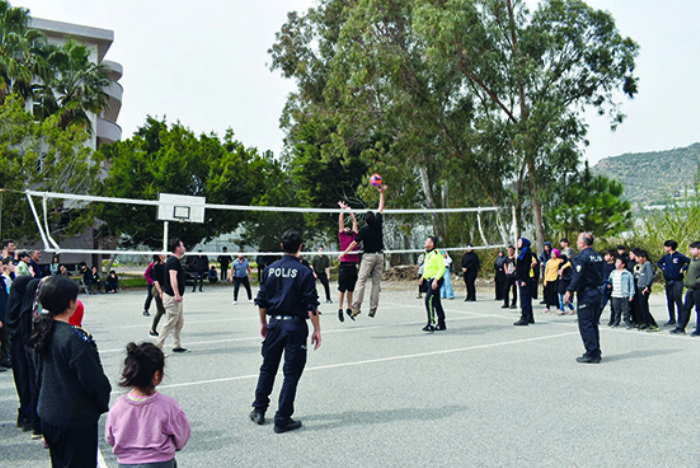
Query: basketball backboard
[183,208]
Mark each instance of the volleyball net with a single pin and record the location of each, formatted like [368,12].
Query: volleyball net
[405,230]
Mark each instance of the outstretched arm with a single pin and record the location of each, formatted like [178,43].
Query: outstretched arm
[354,222]
[341,218]
[382,189]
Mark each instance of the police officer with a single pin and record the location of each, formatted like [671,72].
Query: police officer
[289,297]
[587,281]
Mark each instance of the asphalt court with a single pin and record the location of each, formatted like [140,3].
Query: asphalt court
[381,392]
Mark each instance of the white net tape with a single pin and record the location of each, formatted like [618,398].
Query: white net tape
[50,245]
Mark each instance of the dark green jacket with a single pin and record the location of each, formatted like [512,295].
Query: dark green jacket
[692,275]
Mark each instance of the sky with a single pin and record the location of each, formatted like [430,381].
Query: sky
[206,65]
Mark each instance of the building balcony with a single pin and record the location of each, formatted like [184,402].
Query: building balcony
[107,132]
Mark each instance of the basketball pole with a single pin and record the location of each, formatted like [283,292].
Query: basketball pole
[165,236]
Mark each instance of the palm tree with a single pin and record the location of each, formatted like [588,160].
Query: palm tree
[76,87]
[19,47]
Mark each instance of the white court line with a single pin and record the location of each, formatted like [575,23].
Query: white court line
[378,360]
[325,332]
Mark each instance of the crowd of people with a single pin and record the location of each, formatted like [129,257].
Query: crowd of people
[63,390]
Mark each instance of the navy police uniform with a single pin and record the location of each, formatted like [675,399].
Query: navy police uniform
[287,295]
[587,281]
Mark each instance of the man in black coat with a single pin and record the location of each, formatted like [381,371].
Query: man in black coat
[470,268]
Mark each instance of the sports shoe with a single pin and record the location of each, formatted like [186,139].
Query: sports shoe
[341,317]
[146,314]
[428,328]
[235,302]
[669,323]
[36,434]
[349,312]
[677,331]
[653,328]
[153,333]
[328,301]
[695,333]
[440,327]
[355,312]
[180,349]
[289,426]
[372,312]
[257,416]
[588,360]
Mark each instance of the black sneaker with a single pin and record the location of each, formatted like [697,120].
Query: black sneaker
[678,331]
[372,312]
[588,359]
[257,416]
[146,314]
[153,333]
[440,327]
[180,349]
[428,328]
[289,426]
[695,333]
[341,317]
[349,312]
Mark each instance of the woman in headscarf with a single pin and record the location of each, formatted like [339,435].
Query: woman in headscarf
[523,281]
[500,270]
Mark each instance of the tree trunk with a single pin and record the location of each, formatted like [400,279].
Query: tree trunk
[536,207]
[429,199]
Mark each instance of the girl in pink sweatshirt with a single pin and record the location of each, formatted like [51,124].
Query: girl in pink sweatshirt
[145,427]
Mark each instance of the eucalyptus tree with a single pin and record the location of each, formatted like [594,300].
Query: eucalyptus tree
[534,73]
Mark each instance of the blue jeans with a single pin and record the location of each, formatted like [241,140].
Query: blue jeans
[446,291]
[562,306]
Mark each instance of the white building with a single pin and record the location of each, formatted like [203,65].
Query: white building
[104,126]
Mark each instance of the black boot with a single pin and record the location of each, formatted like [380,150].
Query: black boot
[522,322]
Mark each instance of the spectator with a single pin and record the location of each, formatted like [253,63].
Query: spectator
[224,261]
[214,275]
[608,267]
[74,389]
[566,274]
[644,285]
[510,266]
[470,269]
[621,286]
[23,266]
[240,274]
[551,277]
[446,291]
[673,265]
[112,283]
[499,267]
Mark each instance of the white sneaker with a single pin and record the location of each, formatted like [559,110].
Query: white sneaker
[235,302]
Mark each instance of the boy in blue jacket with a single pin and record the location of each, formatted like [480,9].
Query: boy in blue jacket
[621,285]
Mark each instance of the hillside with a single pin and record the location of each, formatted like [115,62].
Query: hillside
[652,178]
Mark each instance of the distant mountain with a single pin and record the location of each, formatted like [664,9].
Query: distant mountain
[653,178]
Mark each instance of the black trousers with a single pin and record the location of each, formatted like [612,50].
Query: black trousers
[71,447]
[510,285]
[674,296]
[237,285]
[323,278]
[644,313]
[588,311]
[199,275]
[692,299]
[288,337]
[147,304]
[21,374]
[224,272]
[469,280]
[433,304]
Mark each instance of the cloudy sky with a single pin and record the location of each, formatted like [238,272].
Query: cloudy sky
[206,65]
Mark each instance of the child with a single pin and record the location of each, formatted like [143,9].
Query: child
[644,283]
[551,274]
[692,295]
[213,275]
[608,267]
[145,427]
[566,274]
[73,389]
[112,282]
[621,285]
